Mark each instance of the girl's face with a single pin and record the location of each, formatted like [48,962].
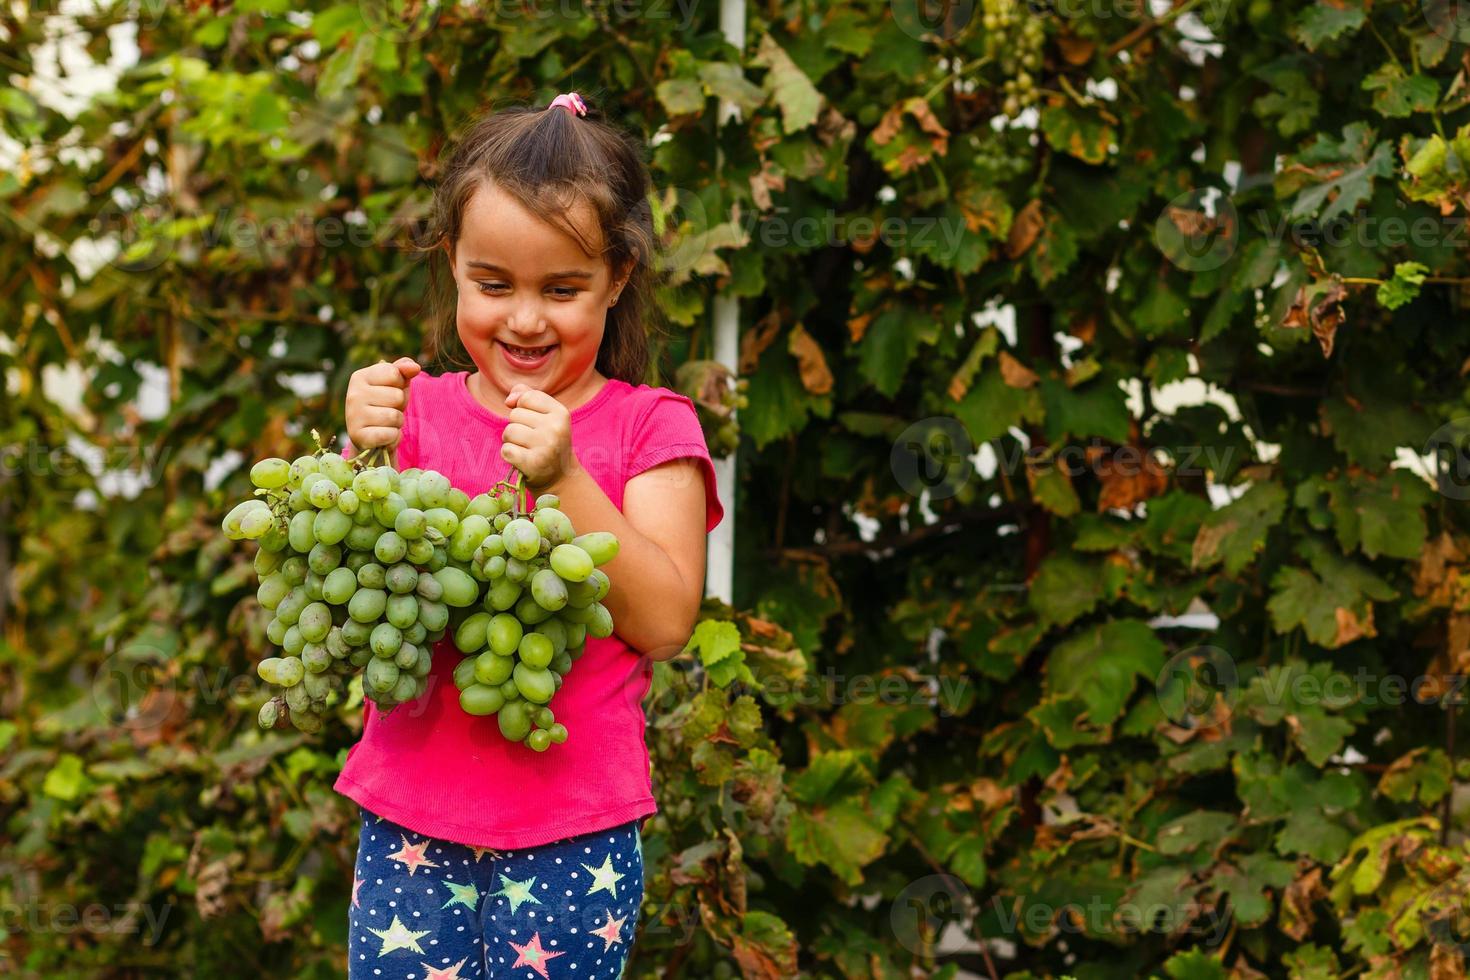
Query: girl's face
[532,306]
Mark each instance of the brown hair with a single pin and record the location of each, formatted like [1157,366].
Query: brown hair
[548,160]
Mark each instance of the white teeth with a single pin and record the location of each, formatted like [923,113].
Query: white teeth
[527,352]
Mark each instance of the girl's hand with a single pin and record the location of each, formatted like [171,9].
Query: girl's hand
[376,398]
[538,439]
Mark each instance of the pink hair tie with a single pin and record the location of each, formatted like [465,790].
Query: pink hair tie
[571,102]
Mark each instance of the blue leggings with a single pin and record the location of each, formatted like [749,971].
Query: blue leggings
[428,909]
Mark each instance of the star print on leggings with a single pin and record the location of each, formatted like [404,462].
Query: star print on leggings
[532,955]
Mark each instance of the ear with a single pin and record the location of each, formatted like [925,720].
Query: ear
[622,275]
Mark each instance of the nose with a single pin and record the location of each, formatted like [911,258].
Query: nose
[526,319]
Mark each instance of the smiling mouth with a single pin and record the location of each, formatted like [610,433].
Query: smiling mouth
[527,353]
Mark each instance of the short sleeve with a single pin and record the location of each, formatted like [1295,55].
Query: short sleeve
[669,429]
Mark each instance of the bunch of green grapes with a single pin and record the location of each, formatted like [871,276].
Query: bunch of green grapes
[716,394]
[361,566]
[1014,37]
[544,598]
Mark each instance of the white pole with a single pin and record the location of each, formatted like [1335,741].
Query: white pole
[720,566]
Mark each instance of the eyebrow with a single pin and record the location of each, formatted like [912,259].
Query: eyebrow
[563,274]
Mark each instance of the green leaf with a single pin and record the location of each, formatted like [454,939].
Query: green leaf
[1334,177]
[1249,883]
[727,81]
[1097,408]
[1195,964]
[842,837]
[343,68]
[1325,21]
[1081,133]
[890,343]
[1236,533]
[1399,96]
[1064,588]
[991,406]
[717,643]
[1403,288]
[830,777]
[1423,775]
[1379,515]
[680,96]
[1102,666]
[1187,833]
[788,85]
[66,781]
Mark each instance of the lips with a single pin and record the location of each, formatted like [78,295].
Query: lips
[527,358]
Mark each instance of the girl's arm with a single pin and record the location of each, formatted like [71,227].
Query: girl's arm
[658,575]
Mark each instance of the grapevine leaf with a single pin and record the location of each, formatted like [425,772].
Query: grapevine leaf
[1102,667]
[1236,533]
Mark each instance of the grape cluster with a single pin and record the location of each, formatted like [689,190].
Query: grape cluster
[716,394]
[365,568]
[544,598]
[1014,37]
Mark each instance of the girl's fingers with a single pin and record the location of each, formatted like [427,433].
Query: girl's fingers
[385,396]
[376,435]
[518,434]
[380,415]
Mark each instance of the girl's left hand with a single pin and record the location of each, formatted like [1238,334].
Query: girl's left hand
[538,439]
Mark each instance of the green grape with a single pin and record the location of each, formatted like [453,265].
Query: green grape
[442,519]
[305,721]
[290,671]
[514,724]
[429,588]
[372,576]
[425,662]
[433,489]
[516,570]
[366,605]
[300,468]
[275,631]
[469,637]
[274,541]
[390,547]
[601,546]
[603,583]
[555,526]
[406,657]
[494,567]
[360,656]
[349,503]
[576,634]
[460,589]
[548,501]
[555,631]
[315,658]
[313,586]
[416,633]
[273,588]
[317,685]
[401,578]
[502,595]
[500,522]
[602,623]
[509,691]
[548,590]
[434,615]
[561,663]
[535,650]
[336,469]
[301,533]
[539,740]
[434,635]
[331,526]
[504,633]
[558,733]
[315,622]
[379,676]
[477,699]
[336,645]
[530,611]
[356,633]
[355,560]
[544,548]
[297,502]
[420,552]
[410,523]
[459,501]
[339,586]
[323,493]
[371,485]
[536,685]
[522,539]
[386,510]
[402,611]
[386,640]
[484,505]
[543,717]
[478,573]
[571,562]
[506,500]
[580,595]
[464,673]
[269,670]
[270,474]
[323,558]
[472,531]
[231,524]
[288,610]
[256,522]
[492,545]
[270,713]
[362,537]
[493,669]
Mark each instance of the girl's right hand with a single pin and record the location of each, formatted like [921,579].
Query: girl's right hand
[376,398]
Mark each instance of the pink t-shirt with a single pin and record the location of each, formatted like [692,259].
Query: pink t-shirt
[435,769]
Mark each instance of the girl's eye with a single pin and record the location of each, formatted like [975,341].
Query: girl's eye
[485,287]
[565,292]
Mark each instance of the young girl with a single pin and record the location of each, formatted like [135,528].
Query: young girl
[479,857]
